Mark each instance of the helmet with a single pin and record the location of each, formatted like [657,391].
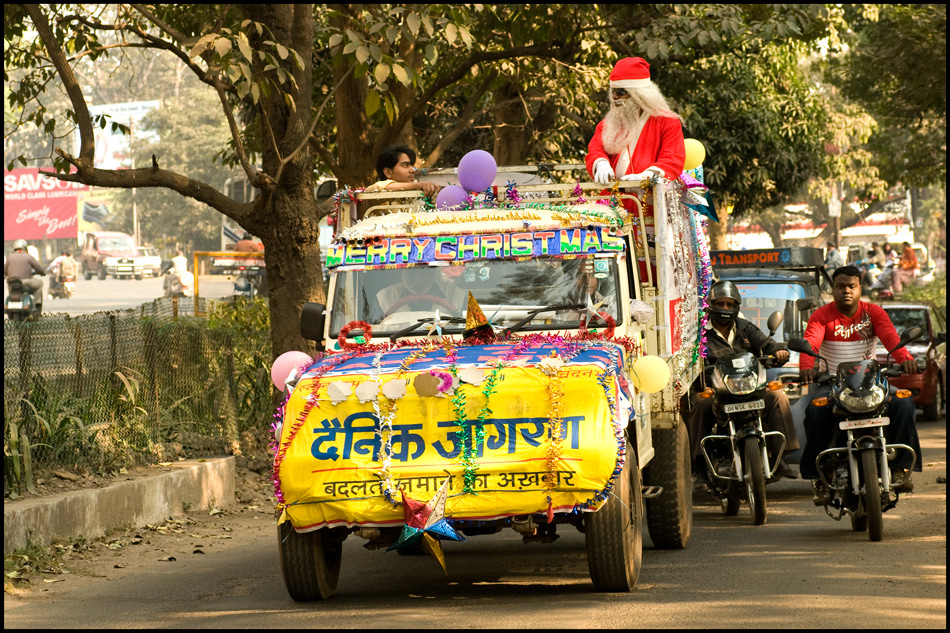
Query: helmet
[19,245]
[721,290]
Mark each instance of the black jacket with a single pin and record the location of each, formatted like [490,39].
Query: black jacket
[749,338]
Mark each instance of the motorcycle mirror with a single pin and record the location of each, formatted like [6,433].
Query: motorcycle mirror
[805,303]
[908,335]
[775,320]
[312,320]
[801,346]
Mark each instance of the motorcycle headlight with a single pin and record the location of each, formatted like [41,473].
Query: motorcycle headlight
[862,404]
[741,384]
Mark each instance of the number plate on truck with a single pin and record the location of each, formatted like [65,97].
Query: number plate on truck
[861,424]
[744,406]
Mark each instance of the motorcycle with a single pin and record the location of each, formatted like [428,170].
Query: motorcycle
[736,456]
[869,275]
[250,282]
[881,288]
[21,303]
[179,284]
[62,288]
[855,469]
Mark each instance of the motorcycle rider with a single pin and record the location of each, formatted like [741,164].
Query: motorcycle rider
[179,265]
[848,330]
[23,266]
[64,267]
[726,334]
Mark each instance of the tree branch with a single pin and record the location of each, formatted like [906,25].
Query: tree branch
[464,120]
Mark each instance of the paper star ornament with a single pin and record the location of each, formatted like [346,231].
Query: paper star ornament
[426,524]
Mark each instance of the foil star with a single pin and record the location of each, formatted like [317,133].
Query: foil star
[426,524]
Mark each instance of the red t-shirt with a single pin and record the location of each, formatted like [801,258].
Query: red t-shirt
[840,339]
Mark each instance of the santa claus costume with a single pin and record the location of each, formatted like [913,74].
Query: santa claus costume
[641,136]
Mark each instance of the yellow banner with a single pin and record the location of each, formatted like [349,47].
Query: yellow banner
[335,469]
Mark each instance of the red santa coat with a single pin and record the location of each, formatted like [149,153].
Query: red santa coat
[660,144]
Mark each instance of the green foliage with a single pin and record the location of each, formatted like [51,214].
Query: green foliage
[934,293]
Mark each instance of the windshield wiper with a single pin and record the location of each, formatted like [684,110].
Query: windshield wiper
[415,326]
[533,313]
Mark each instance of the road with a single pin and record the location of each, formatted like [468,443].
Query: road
[800,570]
[97,295]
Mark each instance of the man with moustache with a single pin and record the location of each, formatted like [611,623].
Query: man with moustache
[641,136]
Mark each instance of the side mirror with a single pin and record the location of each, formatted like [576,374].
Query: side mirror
[312,321]
[908,335]
[801,346]
[941,337]
[805,303]
[775,320]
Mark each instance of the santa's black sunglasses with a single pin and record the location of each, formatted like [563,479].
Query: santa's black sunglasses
[618,92]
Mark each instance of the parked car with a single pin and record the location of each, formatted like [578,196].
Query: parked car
[787,280]
[109,253]
[929,385]
[150,261]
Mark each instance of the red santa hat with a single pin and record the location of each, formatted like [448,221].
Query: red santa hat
[630,72]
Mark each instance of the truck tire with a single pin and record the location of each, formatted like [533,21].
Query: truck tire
[670,515]
[310,562]
[101,273]
[615,533]
[86,272]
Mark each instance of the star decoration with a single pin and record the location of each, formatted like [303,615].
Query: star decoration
[426,524]
[437,323]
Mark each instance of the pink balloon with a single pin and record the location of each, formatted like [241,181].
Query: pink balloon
[285,364]
[450,196]
[477,170]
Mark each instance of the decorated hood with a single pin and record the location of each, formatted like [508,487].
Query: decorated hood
[535,425]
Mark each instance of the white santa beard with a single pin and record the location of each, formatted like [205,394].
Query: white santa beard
[622,128]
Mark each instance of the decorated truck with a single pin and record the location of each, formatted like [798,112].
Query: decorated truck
[516,362]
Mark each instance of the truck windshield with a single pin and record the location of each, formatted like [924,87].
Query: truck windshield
[507,291]
[116,244]
[761,300]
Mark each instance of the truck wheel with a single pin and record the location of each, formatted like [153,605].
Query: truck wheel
[101,273]
[310,562]
[670,515]
[615,533]
[86,272]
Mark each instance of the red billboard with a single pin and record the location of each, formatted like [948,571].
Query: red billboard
[35,206]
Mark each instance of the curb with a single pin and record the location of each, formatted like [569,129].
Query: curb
[201,484]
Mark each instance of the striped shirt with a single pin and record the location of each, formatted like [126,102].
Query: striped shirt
[841,339]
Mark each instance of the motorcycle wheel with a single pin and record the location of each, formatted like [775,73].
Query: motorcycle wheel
[872,495]
[754,479]
[730,503]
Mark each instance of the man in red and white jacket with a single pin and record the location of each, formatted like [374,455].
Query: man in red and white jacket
[641,136]
[848,330]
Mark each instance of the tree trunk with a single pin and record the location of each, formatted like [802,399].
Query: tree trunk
[510,127]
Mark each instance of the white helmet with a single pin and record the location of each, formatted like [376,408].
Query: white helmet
[19,245]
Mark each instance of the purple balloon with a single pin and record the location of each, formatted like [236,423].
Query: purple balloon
[477,170]
[450,196]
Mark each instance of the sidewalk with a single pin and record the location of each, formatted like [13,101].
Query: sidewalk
[195,483]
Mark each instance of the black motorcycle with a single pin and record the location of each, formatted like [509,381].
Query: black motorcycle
[21,303]
[855,469]
[736,456]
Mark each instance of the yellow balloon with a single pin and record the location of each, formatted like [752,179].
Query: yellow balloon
[695,154]
[650,374]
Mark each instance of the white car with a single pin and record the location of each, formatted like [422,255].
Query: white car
[149,260]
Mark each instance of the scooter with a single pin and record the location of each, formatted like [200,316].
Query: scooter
[62,289]
[21,303]
[179,284]
[855,469]
[881,288]
[251,282]
[736,455]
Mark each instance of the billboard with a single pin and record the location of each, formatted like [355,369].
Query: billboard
[37,207]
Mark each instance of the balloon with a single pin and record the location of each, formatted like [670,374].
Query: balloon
[451,196]
[695,154]
[477,170]
[650,374]
[285,364]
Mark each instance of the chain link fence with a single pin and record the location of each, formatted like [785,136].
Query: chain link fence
[111,390]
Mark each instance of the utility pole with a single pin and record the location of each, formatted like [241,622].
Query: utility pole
[834,212]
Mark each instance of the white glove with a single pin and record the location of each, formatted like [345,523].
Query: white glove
[603,172]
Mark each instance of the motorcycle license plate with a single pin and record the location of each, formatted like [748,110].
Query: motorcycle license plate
[755,405]
[863,424]
[15,305]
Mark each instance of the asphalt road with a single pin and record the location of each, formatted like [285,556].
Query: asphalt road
[799,570]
